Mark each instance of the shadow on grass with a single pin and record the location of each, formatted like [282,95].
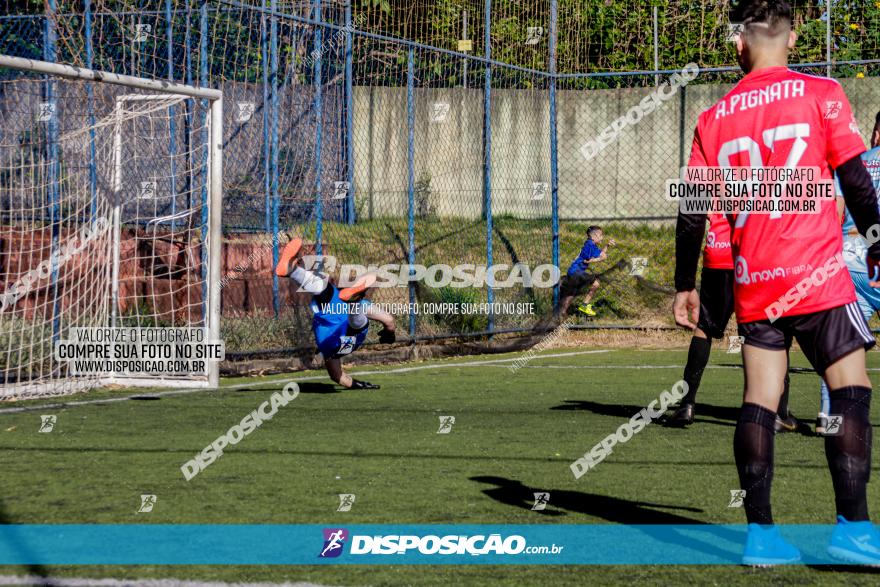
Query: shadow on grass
[704,413]
[621,511]
[723,415]
[716,542]
[842,568]
[308,387]
[612,410]
[19,547]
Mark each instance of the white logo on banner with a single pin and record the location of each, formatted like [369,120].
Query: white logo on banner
[534,34]
[446,423]
[539,190]
[735,344]
[47,111]
[141,32]
[737,498]
[47,423]
[541,501]
[244,111]
[439,111]
[148,190]
[638,266]
[147,503]
[346,500]
[340,190]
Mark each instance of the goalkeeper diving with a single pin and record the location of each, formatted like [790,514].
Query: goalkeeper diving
[341,317]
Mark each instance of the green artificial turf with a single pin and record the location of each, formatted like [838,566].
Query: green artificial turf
[514,434]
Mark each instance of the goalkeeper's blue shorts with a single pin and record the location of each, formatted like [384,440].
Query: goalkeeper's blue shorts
[334,335]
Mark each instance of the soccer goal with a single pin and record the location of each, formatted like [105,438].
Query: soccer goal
[110,230]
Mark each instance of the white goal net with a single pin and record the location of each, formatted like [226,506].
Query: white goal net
[110,190]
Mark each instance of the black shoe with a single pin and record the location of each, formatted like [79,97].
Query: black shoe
[787,424]
[683,416]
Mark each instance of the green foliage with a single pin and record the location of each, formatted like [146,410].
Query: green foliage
[32,341]
[593,36]
[459,323]
[616,35]
[382,5]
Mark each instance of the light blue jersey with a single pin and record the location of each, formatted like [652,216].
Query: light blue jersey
[855,248]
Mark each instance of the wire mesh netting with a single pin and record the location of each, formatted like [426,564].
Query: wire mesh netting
[69,262]
[387,132]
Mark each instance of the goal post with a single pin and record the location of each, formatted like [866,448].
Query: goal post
[110,226]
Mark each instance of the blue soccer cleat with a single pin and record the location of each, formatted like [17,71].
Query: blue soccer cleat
[855,542]
[765,547]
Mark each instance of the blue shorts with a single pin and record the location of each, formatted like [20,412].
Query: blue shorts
[333,335]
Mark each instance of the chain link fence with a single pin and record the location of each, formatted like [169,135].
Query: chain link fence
[395,133]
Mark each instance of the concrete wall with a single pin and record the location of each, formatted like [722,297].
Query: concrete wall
[626,180]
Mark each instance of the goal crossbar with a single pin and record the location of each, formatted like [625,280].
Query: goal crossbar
[82,73]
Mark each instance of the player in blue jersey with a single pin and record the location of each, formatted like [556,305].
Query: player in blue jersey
[579,275]
[340,316]
[854,249]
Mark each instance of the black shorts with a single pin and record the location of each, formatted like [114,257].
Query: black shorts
[825,337]
[716,301]
[573,285]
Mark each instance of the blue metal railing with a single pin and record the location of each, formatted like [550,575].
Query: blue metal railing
[273,54]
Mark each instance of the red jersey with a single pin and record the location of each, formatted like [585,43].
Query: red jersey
[776,117]
[717,254]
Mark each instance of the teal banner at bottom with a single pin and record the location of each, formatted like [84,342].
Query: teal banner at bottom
[392,544]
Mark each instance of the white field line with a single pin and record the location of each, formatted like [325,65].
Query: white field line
[636,367]
[72,582]
[628,367]
[264,382]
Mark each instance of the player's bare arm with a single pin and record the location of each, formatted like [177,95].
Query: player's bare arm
[387,335]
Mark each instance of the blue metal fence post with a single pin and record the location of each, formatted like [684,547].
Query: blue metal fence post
[411,180]
[203,81]
[273,149]
[487,151]
[264,54]
[54,169]
[172,126]
[554,137]
[349,113]
[317,53]
[90,105]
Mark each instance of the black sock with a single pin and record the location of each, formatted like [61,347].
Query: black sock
[849,453]
[698,357]
[783,401]
[326,294]
[753,449]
